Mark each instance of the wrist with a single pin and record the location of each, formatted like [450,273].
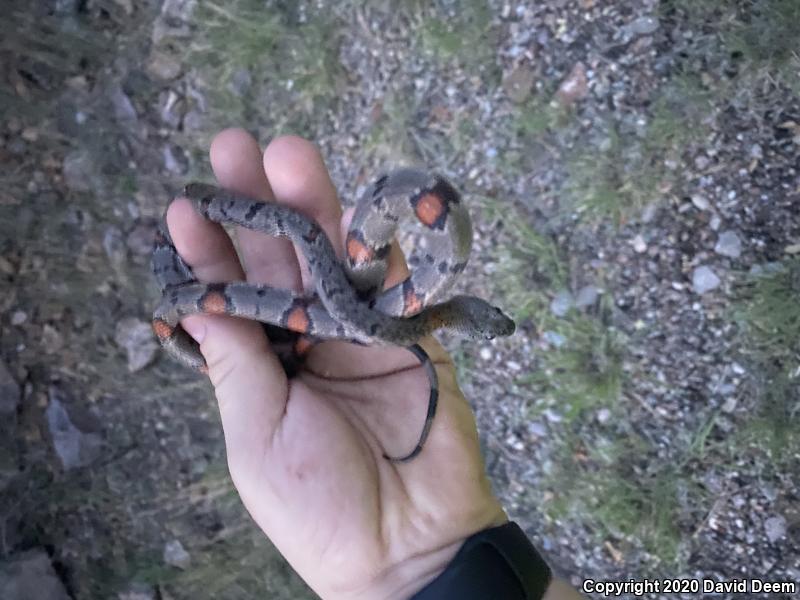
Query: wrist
[399,580]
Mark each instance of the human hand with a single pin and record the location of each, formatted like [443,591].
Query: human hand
[306,453]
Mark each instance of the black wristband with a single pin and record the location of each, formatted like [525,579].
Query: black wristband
[495,563]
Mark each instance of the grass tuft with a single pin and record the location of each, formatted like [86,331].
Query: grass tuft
[254,57]
[585,368]
[629,170]
[768,312]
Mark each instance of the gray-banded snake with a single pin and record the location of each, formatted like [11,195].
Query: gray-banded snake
[349,302]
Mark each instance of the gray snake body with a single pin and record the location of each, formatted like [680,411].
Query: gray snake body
[348,303]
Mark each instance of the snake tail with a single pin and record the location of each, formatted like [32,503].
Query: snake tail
[433,401]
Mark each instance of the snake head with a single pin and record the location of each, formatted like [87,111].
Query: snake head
[481,320]
[498,324]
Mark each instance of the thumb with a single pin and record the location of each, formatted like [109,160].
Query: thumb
[249,383]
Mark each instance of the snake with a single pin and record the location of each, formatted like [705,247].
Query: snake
[348,301]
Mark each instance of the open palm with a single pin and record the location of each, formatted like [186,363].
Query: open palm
[306,453]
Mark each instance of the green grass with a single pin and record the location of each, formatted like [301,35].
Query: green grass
[762,34]
[630,170]
[585,372]
[390,139]
[232,560]
[254,58]
[768,31]
[768,313]
[630,495]
[535,117]
[586,369]
[462,35]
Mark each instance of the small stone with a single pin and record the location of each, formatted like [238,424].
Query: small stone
[52,339]
[240,82]
[31,575]
[574,87]
[136,338]
[700,202]
[18,317]
[514,365]
[140,239]
[554,338]
[78,169]
[756,152]
[792,249]
[729,244]
[171,108]
[30,134]
[10,394]
[518,84]
[486,353]
[775,528]
[123,107]
[114,245]
[175,555]
[126,5]
[644,26]
[138,591]
[603,415]
[163,66]
[730,404]
[639,245]
[537,429]
[73,447]
[174,159]
[587,296]
[701,162]
[561,304]
[704,280]
[715,222]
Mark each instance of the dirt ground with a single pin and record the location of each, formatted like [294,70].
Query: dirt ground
[632,171]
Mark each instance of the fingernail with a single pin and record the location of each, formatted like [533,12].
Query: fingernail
[195,327]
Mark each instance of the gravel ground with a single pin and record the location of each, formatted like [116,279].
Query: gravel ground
[113,474]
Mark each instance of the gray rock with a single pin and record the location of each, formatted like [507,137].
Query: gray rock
[138,591]
[123,107]
[561,304]
[78,169]
[700,202]
[176,555]
[775,528]
[174,159]
[537,428]
[704,280]
[9,391]
[171,108]
[587,296]
[644,26]
[638,243]
[554,338]
[729,244]
[114,245]
[163,66]
[73,447]
[140,239]
[518,84]
[574,87]
[240,82]
[30,575]
[136,338]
